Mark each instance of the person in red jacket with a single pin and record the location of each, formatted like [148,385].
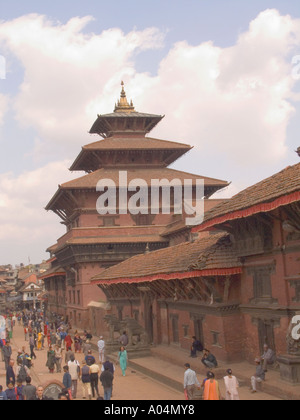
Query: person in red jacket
[68,342]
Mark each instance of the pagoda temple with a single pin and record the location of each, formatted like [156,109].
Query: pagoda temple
[94,242]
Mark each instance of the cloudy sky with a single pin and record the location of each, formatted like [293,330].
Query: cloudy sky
[221,72]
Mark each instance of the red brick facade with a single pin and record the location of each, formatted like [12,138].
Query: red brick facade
[234,315]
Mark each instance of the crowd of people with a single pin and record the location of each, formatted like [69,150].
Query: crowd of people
[54,342]
[210,386]
[59,348]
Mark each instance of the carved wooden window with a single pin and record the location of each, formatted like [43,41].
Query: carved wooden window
[262,284]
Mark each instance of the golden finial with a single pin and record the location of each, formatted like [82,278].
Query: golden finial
[123,105]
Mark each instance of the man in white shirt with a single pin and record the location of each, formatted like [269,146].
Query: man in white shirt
[190,381]
[74,369]
[101,348]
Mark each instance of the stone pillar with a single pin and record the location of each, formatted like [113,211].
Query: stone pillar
[290,368]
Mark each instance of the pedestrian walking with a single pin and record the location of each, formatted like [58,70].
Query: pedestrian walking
[29,391]
[90,359]
[95,370]
[32,346]
[211,388]
[68,342]
[74,369]
[85,375]
[190,382]
[22,372]
[231,386]
[86,347]
[108,365]
[26,333]
[107,379]
[101,348]
[58,358]
[67,380]
[123,360]
[77,342]
[7,353]
[69,355]
[63,336]
[40,341]
[10,374]
[50,360]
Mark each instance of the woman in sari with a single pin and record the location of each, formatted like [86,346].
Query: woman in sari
[123,359]
[231,385]
[51,362]
[39,341]
[211,388]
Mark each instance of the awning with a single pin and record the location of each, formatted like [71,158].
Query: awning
[173,276]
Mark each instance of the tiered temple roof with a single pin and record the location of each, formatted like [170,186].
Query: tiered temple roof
[126,147]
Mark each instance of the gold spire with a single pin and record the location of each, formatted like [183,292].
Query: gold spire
[123,105]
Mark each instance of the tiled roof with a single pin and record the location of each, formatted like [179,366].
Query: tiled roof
[212,252]
[91,180]
[107,124]
[54,271]
[269,194]
[91,155]
[113,240]
[135,143]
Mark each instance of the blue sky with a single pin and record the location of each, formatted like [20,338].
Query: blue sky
[234,37]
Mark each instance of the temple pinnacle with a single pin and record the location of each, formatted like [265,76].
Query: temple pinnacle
[123,105]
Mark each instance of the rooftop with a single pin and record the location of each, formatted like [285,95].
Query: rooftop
[124,119]
[99,154]
[208,255]
[280,189]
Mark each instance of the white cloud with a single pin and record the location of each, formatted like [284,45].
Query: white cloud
[235,101]
[67,71]
[25,227]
